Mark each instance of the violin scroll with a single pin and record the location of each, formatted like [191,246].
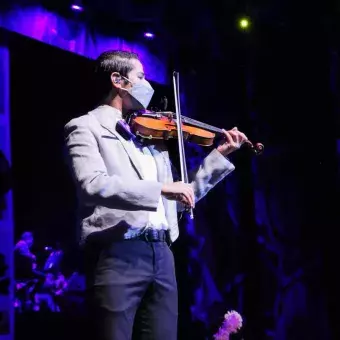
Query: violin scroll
[257,149]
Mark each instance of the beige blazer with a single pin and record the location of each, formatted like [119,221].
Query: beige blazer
[111,190]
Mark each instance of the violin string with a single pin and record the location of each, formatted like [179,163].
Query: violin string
[194,122]
[202,125]
[206,126]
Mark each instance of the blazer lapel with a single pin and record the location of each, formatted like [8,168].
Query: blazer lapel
[108,117]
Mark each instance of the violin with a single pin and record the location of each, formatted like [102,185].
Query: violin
[162,125]
[165,125]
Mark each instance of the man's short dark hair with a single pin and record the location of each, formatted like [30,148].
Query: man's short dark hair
[113,61]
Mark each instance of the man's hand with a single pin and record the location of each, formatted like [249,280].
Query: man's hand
[233,141]
[179,191]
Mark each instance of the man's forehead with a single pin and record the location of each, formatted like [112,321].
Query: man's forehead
[137,65]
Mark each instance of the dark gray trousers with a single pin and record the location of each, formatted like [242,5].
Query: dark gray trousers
[133,291]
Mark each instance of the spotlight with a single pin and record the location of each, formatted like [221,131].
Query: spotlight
[77,8]
[244,23]
[149,35]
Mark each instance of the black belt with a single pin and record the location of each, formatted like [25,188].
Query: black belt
[155,235]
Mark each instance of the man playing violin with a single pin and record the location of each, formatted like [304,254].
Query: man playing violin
[128,206]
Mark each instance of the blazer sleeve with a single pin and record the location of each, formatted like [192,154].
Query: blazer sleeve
[94,185]
[212,170]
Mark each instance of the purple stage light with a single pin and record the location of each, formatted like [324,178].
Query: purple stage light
[77,8]
[50,28]
[149,35]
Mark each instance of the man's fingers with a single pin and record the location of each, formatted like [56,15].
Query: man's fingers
[185,199]
[243,137]
[234,135]
[228,137]
[189,196]
[181,192]
[238,137]
[192,197]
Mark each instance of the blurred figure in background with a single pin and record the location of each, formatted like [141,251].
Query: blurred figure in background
[24,259]
[26,274]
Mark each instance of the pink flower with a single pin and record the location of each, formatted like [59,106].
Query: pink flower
[231,324]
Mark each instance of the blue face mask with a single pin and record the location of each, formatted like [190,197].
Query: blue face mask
[138,97]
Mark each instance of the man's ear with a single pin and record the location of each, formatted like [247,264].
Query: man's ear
[116,80]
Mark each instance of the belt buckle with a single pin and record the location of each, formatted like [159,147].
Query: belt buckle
[151,235]
[156,235]
[145,234]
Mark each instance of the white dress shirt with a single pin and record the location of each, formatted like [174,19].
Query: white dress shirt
[157,219]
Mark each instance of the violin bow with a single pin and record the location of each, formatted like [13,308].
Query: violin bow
[182,158]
